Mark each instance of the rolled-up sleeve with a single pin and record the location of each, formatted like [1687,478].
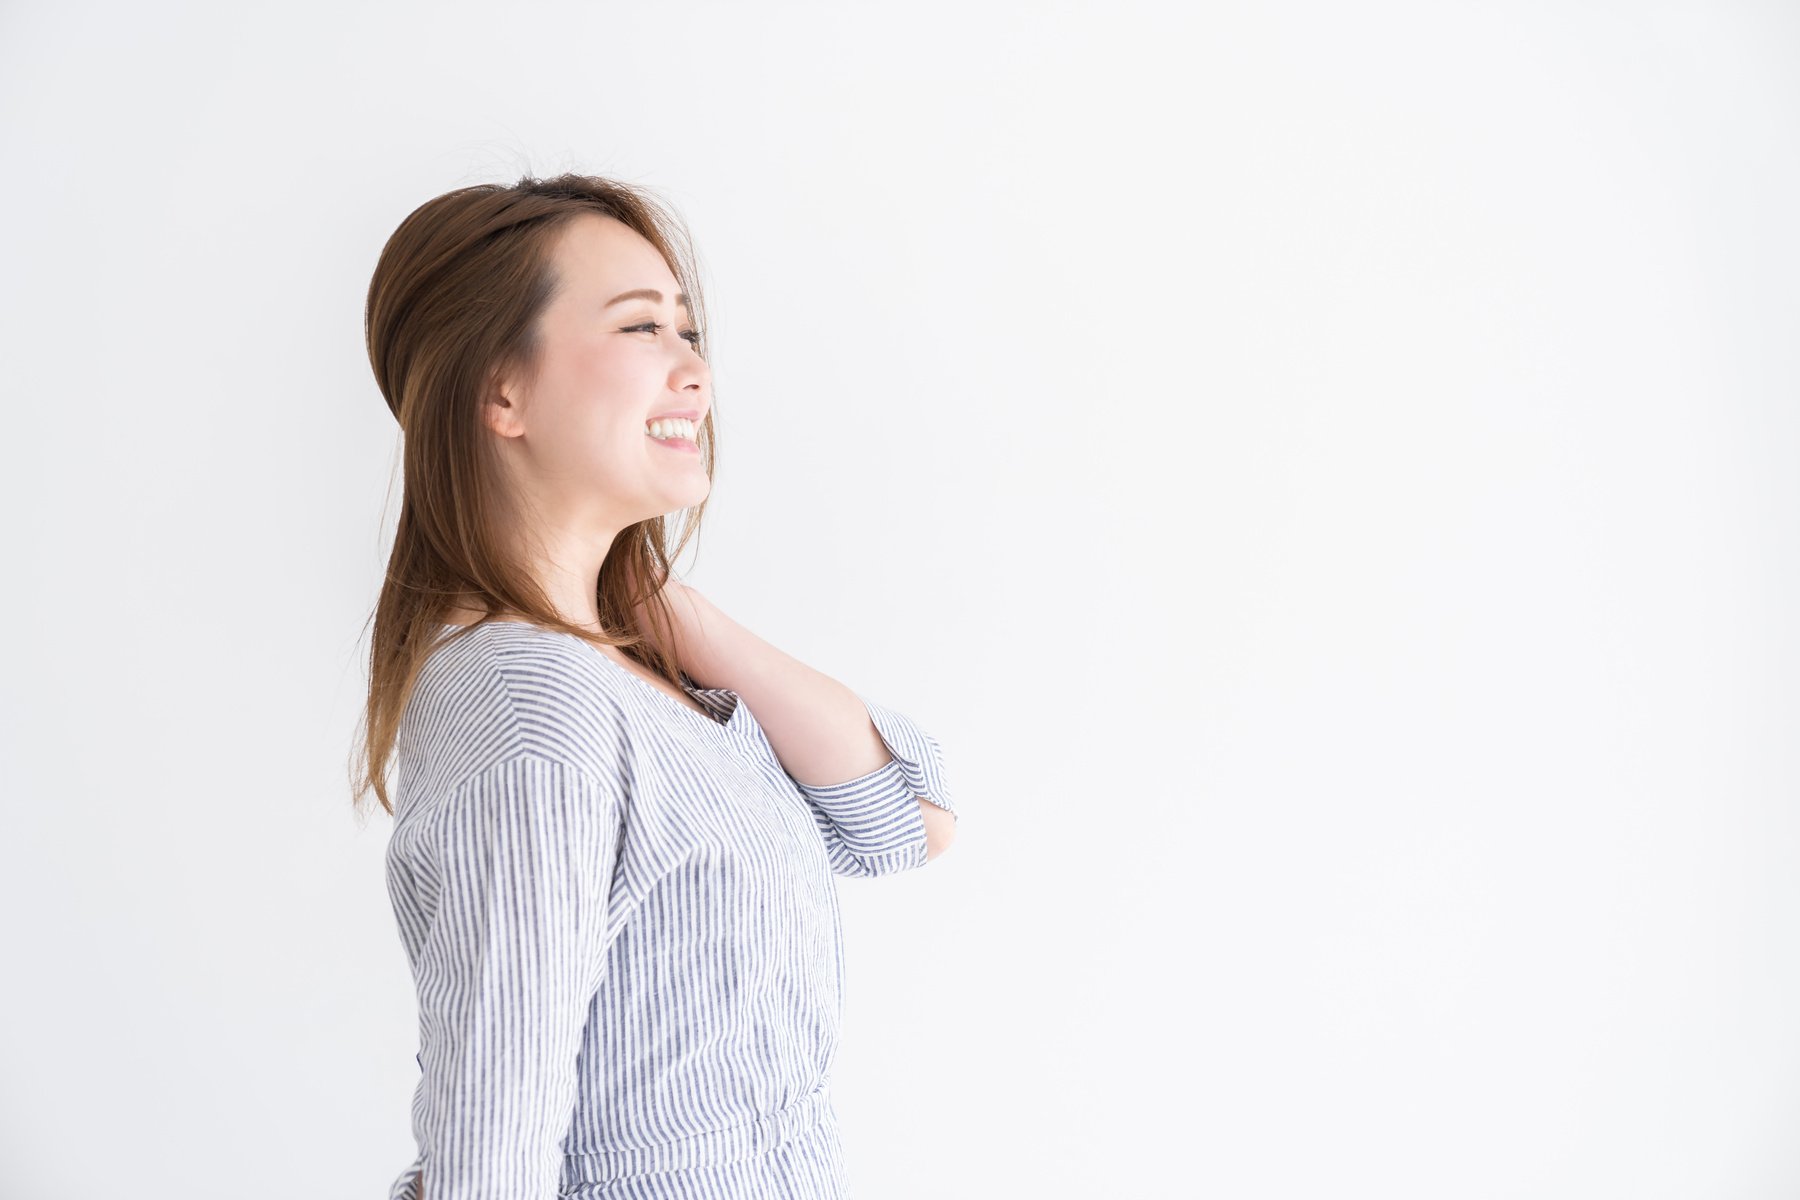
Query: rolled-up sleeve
[872,825]
[524,853]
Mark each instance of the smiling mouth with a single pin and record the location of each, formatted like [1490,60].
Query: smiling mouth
[671,429]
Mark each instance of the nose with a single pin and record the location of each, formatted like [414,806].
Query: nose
[693,380]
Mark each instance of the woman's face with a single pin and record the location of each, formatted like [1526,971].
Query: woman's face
[578,440]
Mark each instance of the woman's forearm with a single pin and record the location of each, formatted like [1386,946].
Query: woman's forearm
[818,727]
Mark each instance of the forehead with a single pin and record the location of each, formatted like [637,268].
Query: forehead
[598,257]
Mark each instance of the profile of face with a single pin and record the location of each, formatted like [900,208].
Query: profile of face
[618,353]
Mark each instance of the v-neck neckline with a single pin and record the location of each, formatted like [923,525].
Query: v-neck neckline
[709,698]
[695,691]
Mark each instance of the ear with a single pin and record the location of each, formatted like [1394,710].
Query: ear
[502,409]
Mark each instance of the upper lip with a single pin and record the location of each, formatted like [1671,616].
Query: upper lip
[692,414]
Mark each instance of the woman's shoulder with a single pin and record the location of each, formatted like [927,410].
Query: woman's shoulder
[506,689]
[513,649]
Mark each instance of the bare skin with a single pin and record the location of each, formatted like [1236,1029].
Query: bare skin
[575,446]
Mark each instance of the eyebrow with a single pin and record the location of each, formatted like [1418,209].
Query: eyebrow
[650,294]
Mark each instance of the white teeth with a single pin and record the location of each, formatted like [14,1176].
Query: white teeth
[671,427]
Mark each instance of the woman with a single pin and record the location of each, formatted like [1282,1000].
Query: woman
[618,812]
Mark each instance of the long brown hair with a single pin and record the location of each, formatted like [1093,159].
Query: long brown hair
[456,298]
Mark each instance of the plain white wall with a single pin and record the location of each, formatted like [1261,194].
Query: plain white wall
[1325,473]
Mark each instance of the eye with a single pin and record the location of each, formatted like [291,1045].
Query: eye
[692,335]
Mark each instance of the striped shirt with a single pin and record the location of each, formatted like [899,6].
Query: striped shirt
[622,923]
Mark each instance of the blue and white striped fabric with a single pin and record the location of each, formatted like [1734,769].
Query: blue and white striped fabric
[623,925]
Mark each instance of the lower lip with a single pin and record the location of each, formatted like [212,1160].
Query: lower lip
[681,444]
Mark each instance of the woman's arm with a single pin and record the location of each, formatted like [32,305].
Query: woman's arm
[820,729]
[522,852]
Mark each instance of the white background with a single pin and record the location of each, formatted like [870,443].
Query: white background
[1325,473]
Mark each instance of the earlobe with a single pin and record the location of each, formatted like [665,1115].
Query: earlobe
[497,415]
[499,410]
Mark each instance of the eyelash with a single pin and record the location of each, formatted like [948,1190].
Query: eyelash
[692,335]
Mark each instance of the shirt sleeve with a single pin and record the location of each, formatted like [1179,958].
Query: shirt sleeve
[525,853]
[872,825]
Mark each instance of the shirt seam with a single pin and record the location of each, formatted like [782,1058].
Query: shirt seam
[429,834]
[495,662]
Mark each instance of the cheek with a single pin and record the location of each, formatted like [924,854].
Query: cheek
[614,384]
[605,361]
[600,391]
